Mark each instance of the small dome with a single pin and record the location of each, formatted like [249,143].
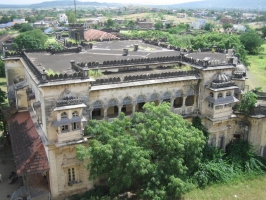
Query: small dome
[240,68]
[221,78]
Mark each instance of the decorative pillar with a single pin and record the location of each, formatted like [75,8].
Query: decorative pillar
[184,105]
[134,103]
[172,104]
[119,108]
[105,112]
[90,113]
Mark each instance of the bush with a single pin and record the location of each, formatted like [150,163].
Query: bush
[261,57]
[241,156]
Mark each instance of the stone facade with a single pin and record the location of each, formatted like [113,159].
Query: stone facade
[62,104]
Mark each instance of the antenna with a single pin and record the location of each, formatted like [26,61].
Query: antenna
[75,9]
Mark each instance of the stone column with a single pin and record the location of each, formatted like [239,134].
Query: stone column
[105,112]
[184,105]
[90,113]
[172,104]
[134,103]
[119,108]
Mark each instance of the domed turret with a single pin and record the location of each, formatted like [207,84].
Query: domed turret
[221,78]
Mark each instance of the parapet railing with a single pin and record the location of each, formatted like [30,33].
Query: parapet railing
[60,103]
[144,77]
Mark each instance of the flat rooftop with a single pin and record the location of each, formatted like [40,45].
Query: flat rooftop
[102,51]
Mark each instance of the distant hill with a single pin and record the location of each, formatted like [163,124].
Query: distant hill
[241,4]
[61,3]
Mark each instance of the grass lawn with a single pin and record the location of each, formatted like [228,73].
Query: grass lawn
[248,189]
[257,70]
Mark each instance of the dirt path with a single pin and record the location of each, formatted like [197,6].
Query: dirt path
[6,166]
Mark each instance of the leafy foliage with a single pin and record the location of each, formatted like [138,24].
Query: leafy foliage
[208,27]
[248,102]
[241,156]
[25,27]
[263,31]
[251,41]
[226,26]
[31,39]
[71,16]
[158,25]
[221,40]
[2,69]
[154,151]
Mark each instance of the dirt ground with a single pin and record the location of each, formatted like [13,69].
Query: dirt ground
[6,166]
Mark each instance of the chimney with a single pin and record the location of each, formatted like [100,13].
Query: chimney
[136,47]
[125,52]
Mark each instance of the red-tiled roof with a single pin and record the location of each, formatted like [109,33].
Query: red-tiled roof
[94,34]
[28,150]
[5,37]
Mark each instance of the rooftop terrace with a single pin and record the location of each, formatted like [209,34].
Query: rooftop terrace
[120,59]
[102,51]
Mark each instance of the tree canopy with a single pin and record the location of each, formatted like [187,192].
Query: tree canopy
[248,102]
[71,16]
[109,23]
[155,151]
[158,25]
[263,31]
[251,41]
[25,27]
[221,40]
[34,39]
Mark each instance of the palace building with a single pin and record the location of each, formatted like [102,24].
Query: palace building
[53,94]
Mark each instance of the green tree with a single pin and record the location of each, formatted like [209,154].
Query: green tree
[25,27]
[17,26]
[208,27]
[2,69]
[109,23]
[226,26]
[222,41]
[30,19]
[251,41]
[158,25]
[2,105]
[71,16]
[130,24]
[248,102]
[34,39]
[263,31]
[4,19]
[155,152]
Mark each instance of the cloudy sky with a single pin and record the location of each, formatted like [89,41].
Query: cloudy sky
[154,2]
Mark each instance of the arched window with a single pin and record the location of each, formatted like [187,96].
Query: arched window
[64,115]
[75,114]
[220,95]
[211,94]
[228,93]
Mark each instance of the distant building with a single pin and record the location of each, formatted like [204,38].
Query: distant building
[143,24]
[181,15]
[40,24]
[63,18]
[249,16]
[239,27]
[198,24]
[19,21]
[228,20]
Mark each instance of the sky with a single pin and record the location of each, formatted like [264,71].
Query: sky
[146,2]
